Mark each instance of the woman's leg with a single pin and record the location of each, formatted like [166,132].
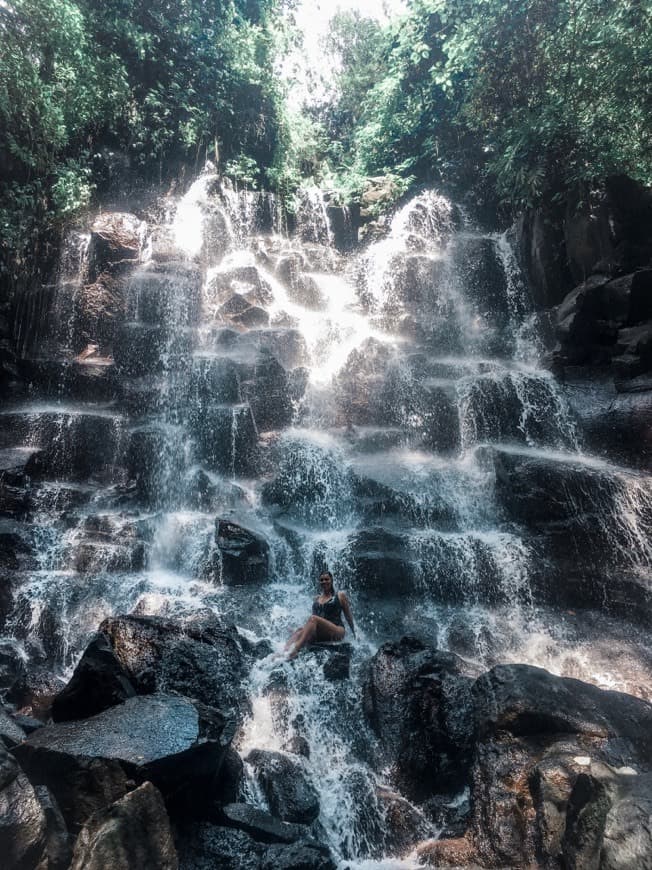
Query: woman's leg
[293,637]
[317,628]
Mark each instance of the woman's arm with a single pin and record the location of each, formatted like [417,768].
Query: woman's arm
[346,607]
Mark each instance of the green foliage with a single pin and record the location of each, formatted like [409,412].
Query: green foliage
[159,82]
[535,96]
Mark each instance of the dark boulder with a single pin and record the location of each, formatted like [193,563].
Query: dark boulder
[205,846]
[262,826]
[161,738]
[11,732]
[227,437]
[245,554]
[269,393]
[419,704]
[99,682]
[115,242]
[58,844]
[404,824]
[380,562]
[524,700]
[247,281]
[22,820]
[201,658]
[555,768]
[290,794]
[132,832]
[298,856]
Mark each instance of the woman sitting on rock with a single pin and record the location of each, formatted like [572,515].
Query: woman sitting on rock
[325,624]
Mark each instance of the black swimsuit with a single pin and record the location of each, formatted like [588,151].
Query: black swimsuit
[330,610]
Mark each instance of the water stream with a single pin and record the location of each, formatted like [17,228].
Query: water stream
[358,411]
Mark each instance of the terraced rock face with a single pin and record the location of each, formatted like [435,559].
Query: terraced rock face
[214,411]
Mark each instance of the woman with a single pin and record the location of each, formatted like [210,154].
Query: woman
[325,624]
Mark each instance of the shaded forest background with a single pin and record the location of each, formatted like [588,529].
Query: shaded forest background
[516,101]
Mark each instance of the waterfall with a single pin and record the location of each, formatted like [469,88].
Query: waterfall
[382,413]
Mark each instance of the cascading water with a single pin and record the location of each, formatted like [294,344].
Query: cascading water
[371,413]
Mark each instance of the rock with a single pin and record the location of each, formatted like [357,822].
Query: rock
[99,682]
[201,658]
[133,832]
[263,826]
[269,394]
[245,281]
[22,820]
[404,825]
[58,841]
[138,348]
[304,290]
[503,812]
[12,665]
[11,733]
[524,700]
[227,437]
[380,562]
[229,785]
[238,311]
[627,840]
[205,846]
[290,795]
[161,738]
[419,704]
[245,554]
[310,484]
[115,242]
[298,856]
[101,308]
[541,248]
[337,666]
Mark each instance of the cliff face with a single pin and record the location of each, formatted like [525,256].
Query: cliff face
[589,265]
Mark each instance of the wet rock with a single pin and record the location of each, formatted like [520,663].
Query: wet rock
[133,832]
[201,658]
[627,840]
[22,820]
[290,795]
[310,484]
[298,856]
[269,394]
[101,307]
[404,824]
[229,784]
[245,281]
[245,554]
[99,682]
[205,846]
[337,666]
[503,808]
[554,757]
[380,562]
[304,290]
[138,348]
[240,312]
[161,738]
[115,242]
[227,437]
[12,665]
[111,544]
[262,826]
[524,700]
[58,841]
[215,379]
[419,704]
[11,732]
